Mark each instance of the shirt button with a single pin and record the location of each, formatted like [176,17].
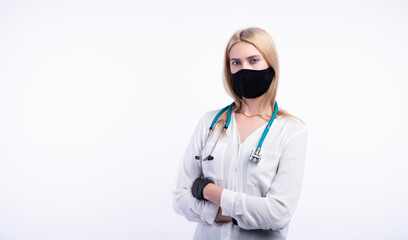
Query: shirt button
[227,236]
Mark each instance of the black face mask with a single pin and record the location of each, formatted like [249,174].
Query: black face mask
[252,83]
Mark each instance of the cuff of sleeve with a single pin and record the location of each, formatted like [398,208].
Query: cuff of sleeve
[209,213]
[228,203]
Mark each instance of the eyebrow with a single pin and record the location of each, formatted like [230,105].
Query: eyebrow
[253,56]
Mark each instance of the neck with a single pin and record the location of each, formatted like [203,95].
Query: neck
[252,107]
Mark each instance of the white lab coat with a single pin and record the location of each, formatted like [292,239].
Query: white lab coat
[261,197]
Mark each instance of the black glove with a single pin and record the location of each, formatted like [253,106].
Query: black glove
[198,187]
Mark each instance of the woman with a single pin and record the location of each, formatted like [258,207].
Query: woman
[232,190]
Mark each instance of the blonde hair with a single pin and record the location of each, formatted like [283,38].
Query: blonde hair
[266,46]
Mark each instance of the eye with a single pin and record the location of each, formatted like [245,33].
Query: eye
[254,60]
[235,63]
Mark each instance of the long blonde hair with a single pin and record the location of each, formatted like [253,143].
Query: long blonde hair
[266,46]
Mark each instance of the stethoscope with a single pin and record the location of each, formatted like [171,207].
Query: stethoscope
[255,153]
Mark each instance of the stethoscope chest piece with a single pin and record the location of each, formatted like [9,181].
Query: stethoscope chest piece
[255,156]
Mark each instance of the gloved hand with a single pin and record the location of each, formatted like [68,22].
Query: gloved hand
[198,187]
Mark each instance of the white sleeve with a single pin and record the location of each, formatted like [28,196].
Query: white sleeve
[184,203]
[275,210]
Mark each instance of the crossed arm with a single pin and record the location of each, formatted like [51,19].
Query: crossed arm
[212,193]
[272,211]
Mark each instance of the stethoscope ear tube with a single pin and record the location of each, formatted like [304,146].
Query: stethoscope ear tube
[200,157]
[218,115]
[210,157]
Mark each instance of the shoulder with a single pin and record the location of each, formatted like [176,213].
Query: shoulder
[288,127]
[292,124]
[207,118]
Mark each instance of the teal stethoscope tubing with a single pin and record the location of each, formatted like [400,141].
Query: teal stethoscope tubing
[255,154]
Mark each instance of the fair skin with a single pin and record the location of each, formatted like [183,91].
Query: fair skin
[243,55]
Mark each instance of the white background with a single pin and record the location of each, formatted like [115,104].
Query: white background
[98,100]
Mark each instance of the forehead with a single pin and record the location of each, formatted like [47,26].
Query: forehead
[243,50]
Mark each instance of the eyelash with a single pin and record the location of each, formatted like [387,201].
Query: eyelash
[253,60]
